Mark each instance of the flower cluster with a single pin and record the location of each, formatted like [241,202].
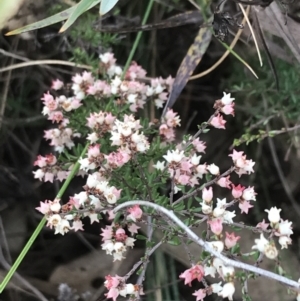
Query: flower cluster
[117,141]
[280,228]
[117,287]
[198,272]
[115,241]
[169,122]
[49,169]
[125,134]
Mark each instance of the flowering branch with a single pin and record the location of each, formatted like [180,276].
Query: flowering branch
[207,247]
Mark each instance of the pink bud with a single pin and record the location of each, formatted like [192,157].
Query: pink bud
[207,194]
[237,191]
[231,240]
[216,226]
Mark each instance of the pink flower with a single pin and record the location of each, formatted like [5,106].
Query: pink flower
[237,191]
[40,161]
[207,194]
[262,225]
[44,207]
[199,145]
[237,155]
[228,109]
[218,122]
[57,84]
[133,228]
[195,272]
[117,159]
[94,150]
[113,293]
[200,294]
[245,206]
[77,225]
[107,233]
[231,240]
[120,235]
[167,133]
[224,182]
[135,213]
[172,119]
[216,226]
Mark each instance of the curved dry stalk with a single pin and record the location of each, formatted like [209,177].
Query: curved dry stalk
[44,62]
[252,32]
[226,53]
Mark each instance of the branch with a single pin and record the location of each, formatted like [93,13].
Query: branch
[210,249]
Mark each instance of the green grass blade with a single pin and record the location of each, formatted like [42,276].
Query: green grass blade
[61,16]
[80,8]
[106,6]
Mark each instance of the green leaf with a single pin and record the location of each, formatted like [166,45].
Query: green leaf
[48,21]
[106,6]
[175,241]
[141,237]
[80,8]
[117,217]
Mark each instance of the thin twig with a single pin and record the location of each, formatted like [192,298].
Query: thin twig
[44,62]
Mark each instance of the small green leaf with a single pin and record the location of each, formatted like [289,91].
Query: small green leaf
[141,237]
[117,217]
[106,6]
[175,241]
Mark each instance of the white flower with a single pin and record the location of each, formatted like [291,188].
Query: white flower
[218,264]
[285,228]
[118,256]
[271,251]
[129,242]
[82,197]
[284,241]
[54,220]
[159,165]
[213,169]
[92,181]
[218,212]
[261,243]
[216,287]
[92,137]
[210,271]
[111,198]
[108,246]
[220,208]
[273,215]
[95,201]
[227,291]
[249,194]
[195,160]
[174,156]
[228,216]
[226,99]
[85,164]
[264,246]
[119,247]
[62,227]
[217,245]
[55,206]
[206,209]
[227,271]
[127,290]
